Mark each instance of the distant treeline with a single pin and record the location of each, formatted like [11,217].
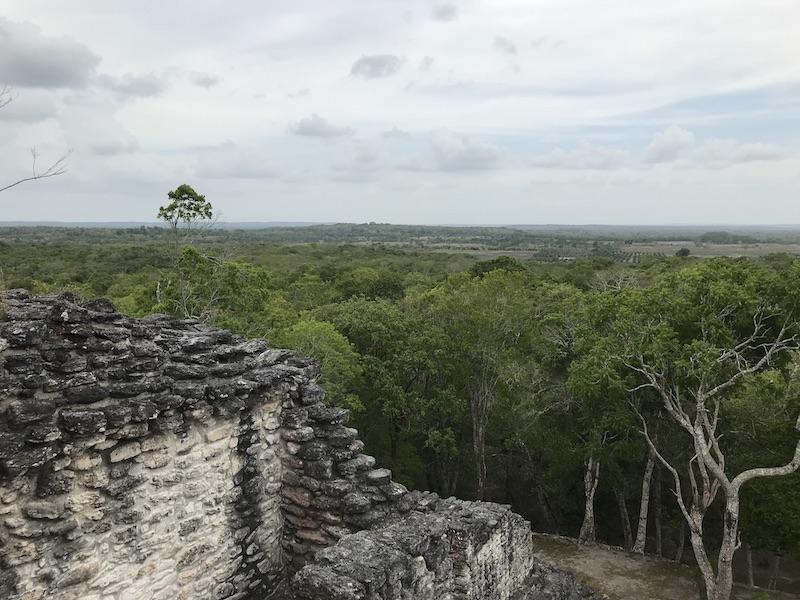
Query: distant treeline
[422,236]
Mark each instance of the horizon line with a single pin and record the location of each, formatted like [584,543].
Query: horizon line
[21,222]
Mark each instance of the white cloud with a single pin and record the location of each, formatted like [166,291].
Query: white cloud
[445,12]
[204,80]
[726,152]
[129,84]
[395,132]
[316,126]
[29,106]
[505,45]
[90,126]
[365,160]
[29,58]
[376,66]
[228,161]
[459,152]
[668,145]
[425,64]
[584,156]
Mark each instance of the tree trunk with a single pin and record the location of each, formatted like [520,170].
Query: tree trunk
[547,509]
[657,511]
[748,553]
[701,556]
[775,572]
[681,542]
[590,480]
[641,530]
[479,447]
[728,547]
[480,397]
[624,518]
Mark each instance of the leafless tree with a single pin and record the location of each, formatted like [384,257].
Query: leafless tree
[697,411]
[53,170]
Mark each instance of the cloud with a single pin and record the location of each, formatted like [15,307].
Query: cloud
[227,161]
[376,66]
[115,147]
[502,44]
[668,145]
[90,125]
[28,58]
[445,12]
[458,152]
[584,156]
[316,126]
[31,106]
[299,93]
[129,84]
[364,162]
[726,152]
[204,80]
[425,64]
[675,143]
[394,132]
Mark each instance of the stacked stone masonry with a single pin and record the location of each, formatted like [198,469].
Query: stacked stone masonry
[160,458]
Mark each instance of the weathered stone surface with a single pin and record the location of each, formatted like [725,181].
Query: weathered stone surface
[103,443]
[83,421]
[483,549]
[379,476]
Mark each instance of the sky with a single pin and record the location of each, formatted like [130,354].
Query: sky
[405,111]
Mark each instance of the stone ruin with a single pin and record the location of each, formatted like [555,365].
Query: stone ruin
[162,459]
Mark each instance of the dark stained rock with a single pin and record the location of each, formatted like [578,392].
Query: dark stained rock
[326,414]
[319,469]
[313,450]
[86,394]
[83,421]
[355,502]
[294,417]
[23,334]
[10,443]
[31,411]
[52,483]
[30,457]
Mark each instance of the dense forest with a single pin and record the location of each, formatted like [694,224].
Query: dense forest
[644,405]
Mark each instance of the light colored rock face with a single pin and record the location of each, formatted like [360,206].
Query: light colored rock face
[442,550]
[138,460]
[162,523]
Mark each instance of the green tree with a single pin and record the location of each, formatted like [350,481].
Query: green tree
[340,364]
[486,320]
[691,340]
[185,210]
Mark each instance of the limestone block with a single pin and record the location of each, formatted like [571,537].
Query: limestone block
[125,451]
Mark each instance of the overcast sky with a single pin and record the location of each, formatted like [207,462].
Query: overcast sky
[406,111]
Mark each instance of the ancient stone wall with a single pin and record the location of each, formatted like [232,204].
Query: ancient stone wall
[444,549]
[138,459]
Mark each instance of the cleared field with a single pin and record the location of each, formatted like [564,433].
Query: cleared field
[710,250]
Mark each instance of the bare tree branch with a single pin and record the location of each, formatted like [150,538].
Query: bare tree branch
[6,97]
[787,469]
[781,343]
[54,170]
